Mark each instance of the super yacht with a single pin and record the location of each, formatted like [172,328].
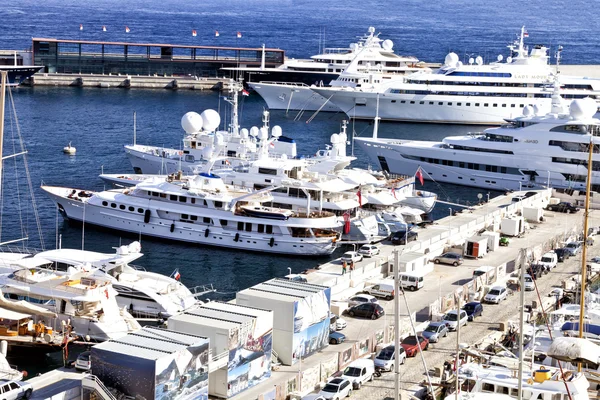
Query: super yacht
[372,60]
[472,93]
[532,151]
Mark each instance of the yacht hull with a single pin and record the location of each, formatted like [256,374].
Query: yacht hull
[286,96]
[174,230]
[145,162]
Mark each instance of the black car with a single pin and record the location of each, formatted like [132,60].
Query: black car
[529,194]
[473,309]
[563,206]
[401,237]
[366,310]
[562,254]
[537,270]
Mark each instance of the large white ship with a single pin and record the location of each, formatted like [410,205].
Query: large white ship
[532,151]
[473,93]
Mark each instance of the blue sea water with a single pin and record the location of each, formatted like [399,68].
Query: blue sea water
[99,121]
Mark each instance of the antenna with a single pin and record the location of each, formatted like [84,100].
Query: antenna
[134,128]
[558,55]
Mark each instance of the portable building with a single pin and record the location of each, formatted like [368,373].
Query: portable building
[493,240]
[154,363]
[533,214]
[300,315]
[476,246]
[512,226]
[240,340]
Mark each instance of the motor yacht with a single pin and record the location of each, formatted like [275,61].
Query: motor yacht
[472,93]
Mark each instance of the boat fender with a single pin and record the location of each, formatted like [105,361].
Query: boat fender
[147,216]
[206,232]
[237,237]
[272,241]
[172,227]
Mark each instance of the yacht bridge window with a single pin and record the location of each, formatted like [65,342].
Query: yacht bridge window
[574,146]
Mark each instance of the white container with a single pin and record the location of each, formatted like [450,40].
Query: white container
[533,214]
[476,246]
[493,240]
[512,226]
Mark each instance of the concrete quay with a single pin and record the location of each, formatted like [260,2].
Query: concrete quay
[127,81]
[363,337]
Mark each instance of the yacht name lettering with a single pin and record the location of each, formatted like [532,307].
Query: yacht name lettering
[526,76]
[530,141]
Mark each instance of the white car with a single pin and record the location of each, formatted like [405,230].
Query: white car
[369,250]
[529,283]
[496,295]
[84,361]
[361,299]
[337,389]
[340,324]
[359,372]
[313,397]
[451,320]
[13,390]
[351,256]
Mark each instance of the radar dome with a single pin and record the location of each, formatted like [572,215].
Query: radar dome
[191,122]
[244,133]
[459,64]
[500,57]
[527,111]
[508,60]
[583,108]
[211,119]
[536,109]
[276,131]
[263,134]
[335,138]
[219,140]
[387,45]
[451,59]
[479,60]
[254,131]
[471,60]
[371,29]
[353,46]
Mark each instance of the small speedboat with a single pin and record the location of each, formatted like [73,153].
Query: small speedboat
[267,212]
[69,149]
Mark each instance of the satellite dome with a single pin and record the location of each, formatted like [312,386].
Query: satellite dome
[276,131]
[211,119]
[335,138]
[263,133]
[191,122]
[353,46]
[254,131]
[387,45]
[451,59]
[471,60]
[500,57]
[583,108]
[527,111]
[219,140]
[479,60]
[508,60]
[244,133]
[371,29]
[459,64]
[536,109]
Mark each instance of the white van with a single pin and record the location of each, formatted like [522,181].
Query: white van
[490,271]
[549,260]
[359,371]
[382,289]
[412,280]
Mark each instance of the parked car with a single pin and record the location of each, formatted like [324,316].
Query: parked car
[13,390]
[411,345]
[435,331]
[340,324]
[402,237]
[313,396]
[84,361]
[367,310]
[473,309]
[573,247]
[529,194]
[529,283]
[451,319]
[337,389]
[496,295]
[359,371]
[295,278]
[556,292]
[369,250]
[487,270]
[361,299]
[549,260]
[562,254]
[386,357]
[351,256]
[563,206]
[449,258]
[537,270]
[518,198]
[382,289]
[336,338]
[596,260]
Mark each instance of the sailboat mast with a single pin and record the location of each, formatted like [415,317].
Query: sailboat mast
[585,238]
[2,106]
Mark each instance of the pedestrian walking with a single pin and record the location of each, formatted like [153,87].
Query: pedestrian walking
[351,265]
[344,266]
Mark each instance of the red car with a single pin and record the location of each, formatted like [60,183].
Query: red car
[411,347]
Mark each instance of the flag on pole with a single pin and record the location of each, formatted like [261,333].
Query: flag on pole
[239,35]
[127,30]
[525,33]
[419,176]
[359,194]
[176,275]
[394,193]
[103,28]
[194,33]
[80,27]
[245,92]
[216,33]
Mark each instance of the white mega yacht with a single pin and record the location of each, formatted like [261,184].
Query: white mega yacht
[532,151]
[372,61]
[473,93]
[144,294]
[203,209]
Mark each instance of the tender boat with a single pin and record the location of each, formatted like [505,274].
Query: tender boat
[69,150]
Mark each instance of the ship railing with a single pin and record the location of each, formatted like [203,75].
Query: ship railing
[92,382]
[202,290]
[19,249]
[137,267]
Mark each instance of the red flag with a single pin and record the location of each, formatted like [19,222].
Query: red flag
[177,275]
[194,33]
[127,30]
[394,193]
[216,33]
[359,194]
[245,92]
[419,176]
[346,223]
[239,34]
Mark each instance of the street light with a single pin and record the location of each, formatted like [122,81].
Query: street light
[289,271]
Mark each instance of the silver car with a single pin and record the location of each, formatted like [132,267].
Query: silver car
[435,331]
[385,359]
[449,258]
[361,299]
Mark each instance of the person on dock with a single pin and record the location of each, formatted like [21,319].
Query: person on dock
[344,266]
[351,266]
